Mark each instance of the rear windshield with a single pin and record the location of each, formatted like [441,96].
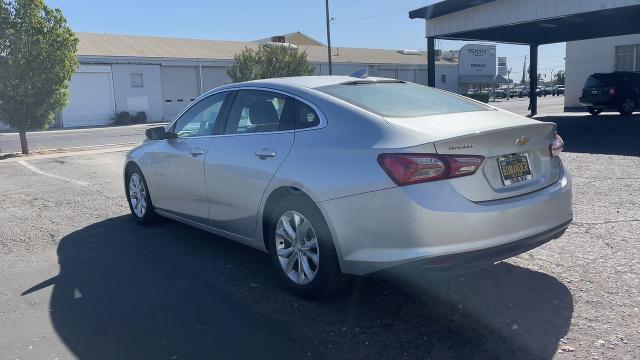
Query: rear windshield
[398,99]
[595,81]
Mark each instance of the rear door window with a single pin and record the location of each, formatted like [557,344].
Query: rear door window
[258,111]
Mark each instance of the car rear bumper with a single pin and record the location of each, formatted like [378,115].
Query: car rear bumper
[487,257]
[433,224]
[599,102]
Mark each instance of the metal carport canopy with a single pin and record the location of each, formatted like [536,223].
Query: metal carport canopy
[527,22]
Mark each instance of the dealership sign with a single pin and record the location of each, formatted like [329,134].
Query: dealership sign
[478,60]
[502,66]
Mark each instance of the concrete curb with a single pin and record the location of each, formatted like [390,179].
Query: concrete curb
[73,152]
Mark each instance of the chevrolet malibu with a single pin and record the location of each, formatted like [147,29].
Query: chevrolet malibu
[338,175]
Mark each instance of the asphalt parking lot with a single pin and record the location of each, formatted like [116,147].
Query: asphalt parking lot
[79,279]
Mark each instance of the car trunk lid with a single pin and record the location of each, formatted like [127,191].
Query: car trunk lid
[496,135]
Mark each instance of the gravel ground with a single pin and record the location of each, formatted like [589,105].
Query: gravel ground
[78,279]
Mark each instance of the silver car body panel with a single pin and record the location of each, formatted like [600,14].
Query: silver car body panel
[176,170]
[236,177]
[394,226]
[375,224]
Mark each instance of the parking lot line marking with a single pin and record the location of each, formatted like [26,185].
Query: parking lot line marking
[36,170]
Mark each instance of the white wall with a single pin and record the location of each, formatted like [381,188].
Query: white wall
[587,57]
[214,76]
[451,77]
[133,99]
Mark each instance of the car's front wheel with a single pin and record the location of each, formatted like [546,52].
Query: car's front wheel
[594,111]
[138,197]
[627,106]
[302,249]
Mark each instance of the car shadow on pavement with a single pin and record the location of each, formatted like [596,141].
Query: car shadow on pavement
[174,292]
[610,134]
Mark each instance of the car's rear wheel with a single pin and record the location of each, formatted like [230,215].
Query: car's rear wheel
[302,249]
[594,111]
[138,197]
[627,106]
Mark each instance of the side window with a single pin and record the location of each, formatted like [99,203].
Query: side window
[201,118]
[258,111]
[306,117]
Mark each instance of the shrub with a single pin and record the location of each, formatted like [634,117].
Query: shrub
[125,118]
[140,117]
[269,61]
[480,97]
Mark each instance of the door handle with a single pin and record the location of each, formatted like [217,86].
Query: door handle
[197,152]
[265,153]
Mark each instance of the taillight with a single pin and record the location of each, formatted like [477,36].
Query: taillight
[407,169]
[557,146]
[612,91]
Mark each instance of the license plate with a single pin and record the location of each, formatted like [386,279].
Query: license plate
[595,92]
[515,168]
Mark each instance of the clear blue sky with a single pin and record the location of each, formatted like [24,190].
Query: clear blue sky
[358,23]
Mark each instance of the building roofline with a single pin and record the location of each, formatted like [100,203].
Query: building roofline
[114,46]
[443,8]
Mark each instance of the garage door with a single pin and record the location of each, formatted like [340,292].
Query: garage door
[179,88]
[90,97]
[214,76]
[386,73]
[407,75]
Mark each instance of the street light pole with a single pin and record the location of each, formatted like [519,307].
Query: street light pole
[329,38]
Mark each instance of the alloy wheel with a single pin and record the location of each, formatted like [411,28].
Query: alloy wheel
[297,247]
[137,195]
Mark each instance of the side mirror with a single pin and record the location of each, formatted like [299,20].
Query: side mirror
[156,133]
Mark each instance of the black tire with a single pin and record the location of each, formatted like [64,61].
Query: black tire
[594,111]
[627,106]
[329,278]
[149,215]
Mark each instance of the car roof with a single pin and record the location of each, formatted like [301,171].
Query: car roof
[298,84]
[311,82]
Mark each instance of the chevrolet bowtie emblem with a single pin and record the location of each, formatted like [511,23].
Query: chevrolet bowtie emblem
[522,140]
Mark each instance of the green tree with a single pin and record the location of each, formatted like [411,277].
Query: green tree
[37,60]
[560,77]
[269,61]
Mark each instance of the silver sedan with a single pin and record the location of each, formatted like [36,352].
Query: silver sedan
[338,175]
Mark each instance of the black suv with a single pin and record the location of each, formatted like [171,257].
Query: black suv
[619,91]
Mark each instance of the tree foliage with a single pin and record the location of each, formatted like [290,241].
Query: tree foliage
[37,59]
[559,77]
[269,61]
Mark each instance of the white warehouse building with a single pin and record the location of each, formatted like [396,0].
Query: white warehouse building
[160,76]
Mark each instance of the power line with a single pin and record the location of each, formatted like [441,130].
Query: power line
[376,15]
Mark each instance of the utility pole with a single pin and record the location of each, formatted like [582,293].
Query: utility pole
[329,38]
[509,83]
[524,71]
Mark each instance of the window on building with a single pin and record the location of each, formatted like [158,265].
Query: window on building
[443,78]
[626,58]
[137,80]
